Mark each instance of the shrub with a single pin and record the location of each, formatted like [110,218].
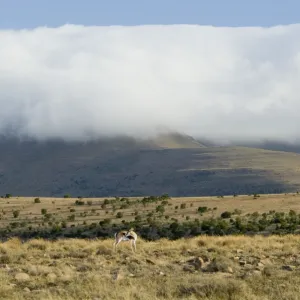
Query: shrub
[8,196]
[160,209]
[71,218]
[105,222]
[67,196]
[79,202]
[37,200]
[43,211]
[226,214]
[16,213]
[202,209]
[119,215]
[89,202]
[182,206]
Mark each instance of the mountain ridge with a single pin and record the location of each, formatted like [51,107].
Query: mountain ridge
[175,163]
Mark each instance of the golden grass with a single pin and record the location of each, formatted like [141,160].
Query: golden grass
[232,267]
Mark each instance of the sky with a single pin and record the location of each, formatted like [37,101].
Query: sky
[18,14]
[65,72]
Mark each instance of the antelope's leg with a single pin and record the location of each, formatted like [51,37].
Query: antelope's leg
[134,243]
[116,243]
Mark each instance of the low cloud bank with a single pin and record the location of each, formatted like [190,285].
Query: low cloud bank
[81,83]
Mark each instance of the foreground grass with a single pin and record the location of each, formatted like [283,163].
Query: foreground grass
[231,267]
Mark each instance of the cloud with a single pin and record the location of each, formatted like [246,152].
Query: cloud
[76,82]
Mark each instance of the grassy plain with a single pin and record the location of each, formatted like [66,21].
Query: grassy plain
[203,267]
[93,211]
[198,268]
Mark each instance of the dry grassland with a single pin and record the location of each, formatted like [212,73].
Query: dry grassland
[61,208]
[199,268]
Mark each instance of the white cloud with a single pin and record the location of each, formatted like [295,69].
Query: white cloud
[76,82]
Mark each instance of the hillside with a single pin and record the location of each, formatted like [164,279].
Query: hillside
[174,164]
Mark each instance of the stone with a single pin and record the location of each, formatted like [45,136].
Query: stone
[242,262]
[26,289]
[256,272]
[149,261]
[188,268]
[288,268]
[22,277]
[51,277]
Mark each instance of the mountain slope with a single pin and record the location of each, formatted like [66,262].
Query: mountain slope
[127,167]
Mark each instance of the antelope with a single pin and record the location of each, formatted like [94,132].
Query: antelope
[124,235]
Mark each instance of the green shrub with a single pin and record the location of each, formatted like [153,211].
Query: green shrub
[37,200]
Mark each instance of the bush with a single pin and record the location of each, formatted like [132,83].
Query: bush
[71,218]
[119,215]
[160,209]
[37,200]
[67,196]
[79,202]
[8,196]
[16,213]
[226,214]
[89,202]
[105,222]
[182,206]
[202,209]
[43,211]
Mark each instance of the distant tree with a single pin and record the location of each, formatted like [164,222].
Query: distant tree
[119,215]
[37,200]
[226,214]
[16,213]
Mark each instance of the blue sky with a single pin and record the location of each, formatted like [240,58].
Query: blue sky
[16,14]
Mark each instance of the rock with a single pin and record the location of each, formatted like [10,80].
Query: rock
[230,270]
[161,273]
[83,268]
[32,270]
[197,262]
[188,268]
[149,261]
[51,277]
[66,278]
[239,251]
[288,268]
[22,277]
[266,261]
[236,258]
[248,266]
[26,290]
[256,272]
[242,262]
[260,265]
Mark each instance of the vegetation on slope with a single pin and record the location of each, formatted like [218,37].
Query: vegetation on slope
[127,167]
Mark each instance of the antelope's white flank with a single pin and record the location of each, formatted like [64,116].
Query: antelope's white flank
[124,235]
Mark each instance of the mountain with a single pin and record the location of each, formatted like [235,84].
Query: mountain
[122,166]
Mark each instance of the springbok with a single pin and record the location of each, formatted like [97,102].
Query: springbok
[124,235]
